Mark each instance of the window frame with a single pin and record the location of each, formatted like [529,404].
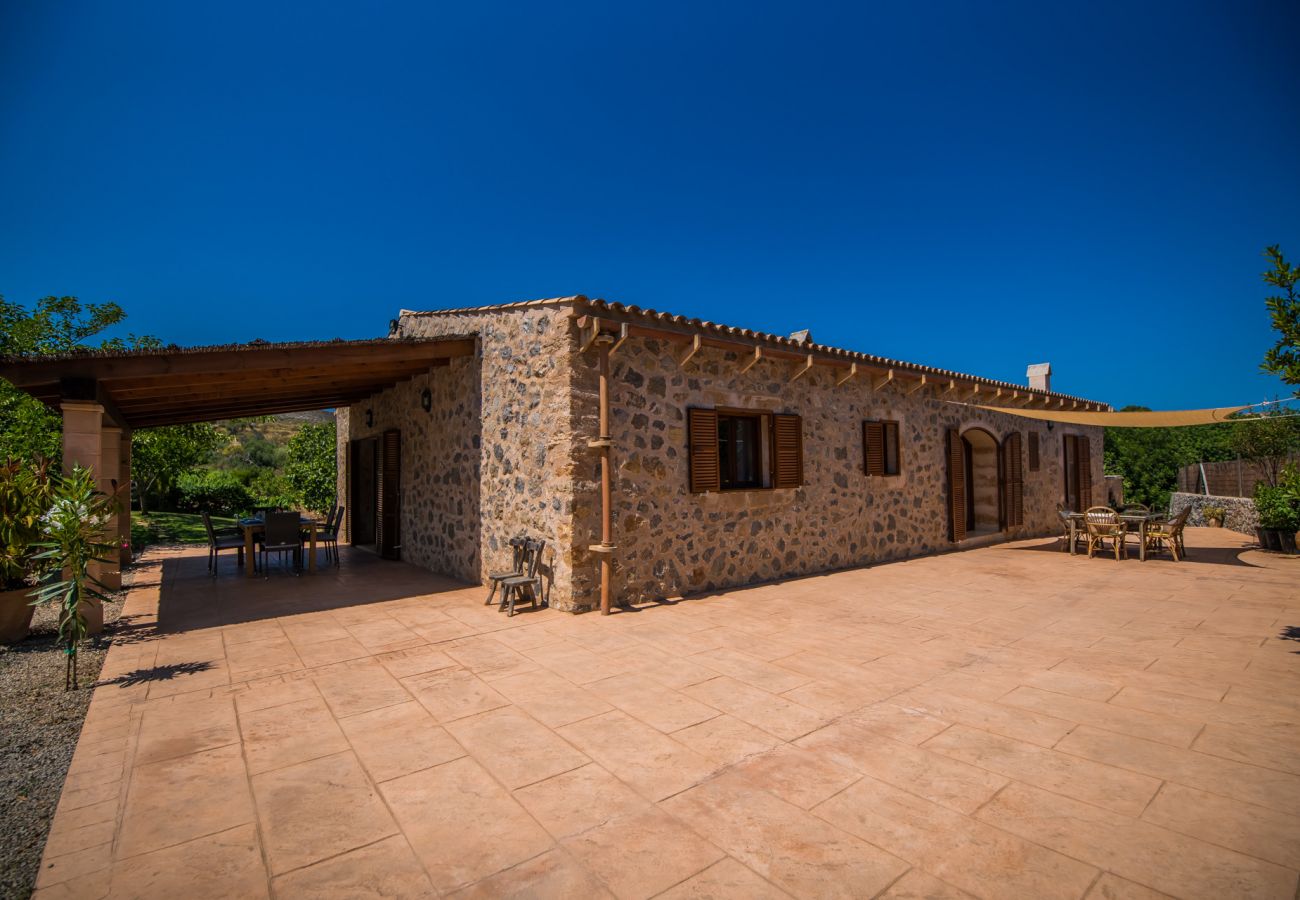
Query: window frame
[887,425]
[763,448]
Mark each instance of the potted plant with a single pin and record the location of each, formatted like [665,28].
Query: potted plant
[24,497]
[1277,517]
[1214,515]
[74,533]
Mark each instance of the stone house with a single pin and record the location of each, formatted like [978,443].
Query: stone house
[726,456]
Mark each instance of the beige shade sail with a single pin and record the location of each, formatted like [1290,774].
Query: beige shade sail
[1155,419]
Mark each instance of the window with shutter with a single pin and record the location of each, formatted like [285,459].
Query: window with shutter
[956,487]
[880,447]
[787,451]
[702,428]
[1033,451]
[389,492]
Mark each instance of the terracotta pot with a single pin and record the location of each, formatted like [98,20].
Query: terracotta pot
[15,615]
[1214,523]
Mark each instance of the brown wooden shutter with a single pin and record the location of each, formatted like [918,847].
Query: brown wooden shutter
[956,487]
[1083,459]
[1015,502]
[787,451]
[1033,451]
[873,447]
[702,432]
[389,537]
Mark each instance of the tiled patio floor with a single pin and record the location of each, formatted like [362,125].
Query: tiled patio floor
[1006,722]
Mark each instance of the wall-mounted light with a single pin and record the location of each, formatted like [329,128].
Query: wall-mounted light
[426,399]
[370,417]
[1050,425]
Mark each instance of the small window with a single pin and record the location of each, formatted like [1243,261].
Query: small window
[880,448]
[738,450]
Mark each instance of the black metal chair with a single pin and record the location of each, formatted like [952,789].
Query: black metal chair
[330,535]
[282,533]
[516,568]
[218,541]
[513,587]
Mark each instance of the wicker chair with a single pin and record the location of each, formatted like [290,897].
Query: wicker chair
[1171,533]
[1102,524]
[1064,515]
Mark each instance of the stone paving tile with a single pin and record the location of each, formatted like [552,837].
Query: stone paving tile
[1252,830]
[227,864]
[397,740]
[725,878]
[514,747]
[1250,784]
[318,809]
[816,859]
[387,868]
[462,824]
[642,854]
[1133,849]
[1115,789]
[957,720]
[175,800]
[962,851]
[651,763]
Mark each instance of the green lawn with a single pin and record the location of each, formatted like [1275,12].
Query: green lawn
[171,528]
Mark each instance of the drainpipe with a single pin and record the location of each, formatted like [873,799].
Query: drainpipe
[604,443]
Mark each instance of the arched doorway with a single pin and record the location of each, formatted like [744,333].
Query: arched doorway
[983,481]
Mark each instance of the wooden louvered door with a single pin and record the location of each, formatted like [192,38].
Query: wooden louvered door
[363,500]
[956,486]
[702,432]
[787,451]
[1077,455]
[1013,475]
[1084,461]
[1033,451]
[389,537]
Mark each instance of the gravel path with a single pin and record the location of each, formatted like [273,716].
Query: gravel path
[39,725]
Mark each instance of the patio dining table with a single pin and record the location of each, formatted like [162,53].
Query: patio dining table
[254,526]
[1141,520]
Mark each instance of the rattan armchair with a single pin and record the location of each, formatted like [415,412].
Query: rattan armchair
[1171,533]
[1103,524]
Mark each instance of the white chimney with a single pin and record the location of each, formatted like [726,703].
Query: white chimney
[1040,377]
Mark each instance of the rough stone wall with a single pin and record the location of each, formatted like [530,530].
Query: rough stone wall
[1239,512]
[342,434]
[440,519]
[512,472]
[672,542]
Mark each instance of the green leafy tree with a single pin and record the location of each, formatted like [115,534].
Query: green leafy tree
[28,428]
[159,456]
[1268,441]
[1283,359]
[312,468]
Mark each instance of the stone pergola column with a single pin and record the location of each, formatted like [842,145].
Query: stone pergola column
[83,445]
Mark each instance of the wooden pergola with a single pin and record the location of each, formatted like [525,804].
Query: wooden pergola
[103,395]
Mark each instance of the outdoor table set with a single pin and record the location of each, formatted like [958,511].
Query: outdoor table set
[275,532]
[1101,523]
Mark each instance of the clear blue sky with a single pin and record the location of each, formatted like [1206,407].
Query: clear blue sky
[972,187]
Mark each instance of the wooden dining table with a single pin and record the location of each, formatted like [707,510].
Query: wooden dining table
[1141,520]
[253,527]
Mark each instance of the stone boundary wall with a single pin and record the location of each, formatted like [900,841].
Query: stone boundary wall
[671,542]
[1239,512]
